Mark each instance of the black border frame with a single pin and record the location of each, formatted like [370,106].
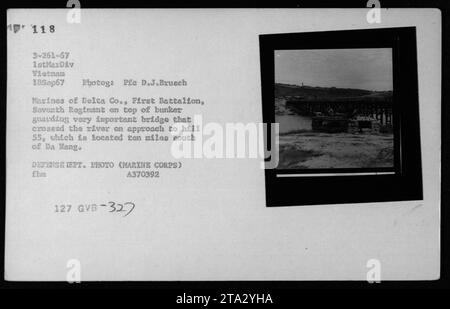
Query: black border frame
[406,183]
[287,291]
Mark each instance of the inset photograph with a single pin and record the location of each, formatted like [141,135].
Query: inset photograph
[334,108]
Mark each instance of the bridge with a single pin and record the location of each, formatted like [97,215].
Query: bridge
[376,106]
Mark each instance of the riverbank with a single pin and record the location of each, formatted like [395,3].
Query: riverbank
[305,150]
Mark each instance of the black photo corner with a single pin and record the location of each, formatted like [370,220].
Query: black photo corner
[398,176]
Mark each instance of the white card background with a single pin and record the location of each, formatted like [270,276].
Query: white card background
[207,221]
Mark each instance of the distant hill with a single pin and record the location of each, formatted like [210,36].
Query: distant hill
[329,93]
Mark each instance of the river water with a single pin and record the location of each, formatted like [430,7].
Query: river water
[293,123]
[289,121]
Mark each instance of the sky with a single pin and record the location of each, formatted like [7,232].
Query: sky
[369,69]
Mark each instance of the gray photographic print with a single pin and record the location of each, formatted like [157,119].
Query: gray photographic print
[334,108]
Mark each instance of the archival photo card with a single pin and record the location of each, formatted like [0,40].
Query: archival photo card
[334,108]
[136,147]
